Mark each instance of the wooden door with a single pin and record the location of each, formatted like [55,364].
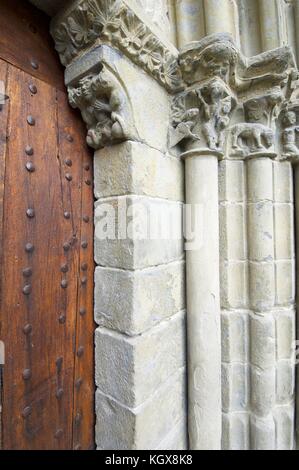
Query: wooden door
[46,240]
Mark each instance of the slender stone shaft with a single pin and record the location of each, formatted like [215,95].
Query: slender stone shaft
[219,17]
[234,305]
[270,24]
[262,301]
[190,21]
[296,12]
[271,258]
[203,304]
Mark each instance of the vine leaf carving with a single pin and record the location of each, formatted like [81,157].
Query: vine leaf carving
[113,22]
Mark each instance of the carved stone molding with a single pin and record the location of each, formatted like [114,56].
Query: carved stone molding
[231,104]
[88,23]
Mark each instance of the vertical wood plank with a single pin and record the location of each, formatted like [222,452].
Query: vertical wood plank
[76,161]
[4,113]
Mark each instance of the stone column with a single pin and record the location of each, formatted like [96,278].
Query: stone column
[270,24]
[290,153]
[271,255]
[190,21]
[197,111]
[220,17]
[203,307]
[227,113]
[296,17]
[234,304]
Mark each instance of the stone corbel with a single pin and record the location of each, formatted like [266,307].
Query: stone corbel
[105,107]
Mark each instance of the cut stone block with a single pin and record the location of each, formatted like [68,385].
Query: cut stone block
[134,301]
[235,387]
[235,431]
[234,336]
[135,168]
[131,369]
[122,428]
[137,232]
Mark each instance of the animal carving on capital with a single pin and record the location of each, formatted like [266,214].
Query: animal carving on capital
[202,114]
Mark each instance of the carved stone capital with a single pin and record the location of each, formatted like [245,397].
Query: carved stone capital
[231,103]
[102,103]
[201,114]
[96,88]
[88,23]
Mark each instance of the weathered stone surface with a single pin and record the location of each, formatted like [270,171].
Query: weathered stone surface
[135,168]
[234,284]
[262,286]
[131,369]
[261,231]
[177,439]
[235,387]
[233,232]
[120,428]
[285,331]
[235,431]
[232,181]
[262,431]
[284,423]
[284,231]
[283,179]
[285,381]
[263,391]
[285,282]
[235,336]
[134,301]
[260,188]
[153,235]
[263,344]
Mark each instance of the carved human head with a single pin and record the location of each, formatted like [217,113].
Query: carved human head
[290,118]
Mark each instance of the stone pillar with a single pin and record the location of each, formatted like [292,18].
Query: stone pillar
[196,114]
[124,98]
[203,322]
